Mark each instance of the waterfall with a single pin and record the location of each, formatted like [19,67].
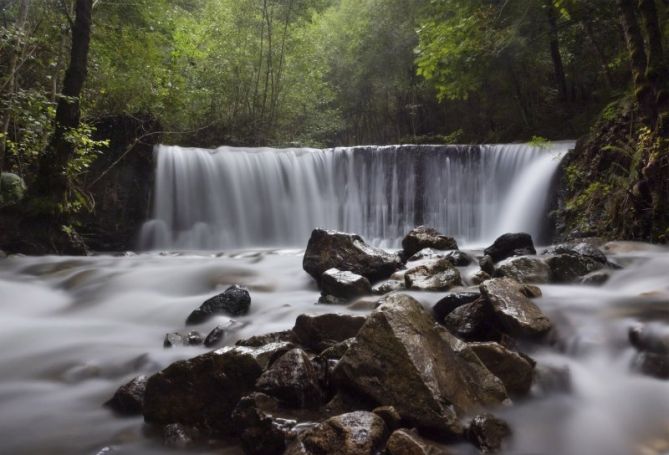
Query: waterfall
[251,197]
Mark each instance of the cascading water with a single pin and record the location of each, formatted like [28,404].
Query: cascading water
[241,197]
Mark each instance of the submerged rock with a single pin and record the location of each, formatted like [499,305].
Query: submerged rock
[508,245]
[129,398]
[192,338]
[514,370]
[331,249]
[488,433]
[215,337]
[400,353]
[425,237]
[344,284]
[524,269]
[235,301]
[517,314]
[439,275]
[355,433]
[653,346]
[318,332]
[597,278]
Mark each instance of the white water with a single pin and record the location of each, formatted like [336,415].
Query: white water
[74,329]
[242,197]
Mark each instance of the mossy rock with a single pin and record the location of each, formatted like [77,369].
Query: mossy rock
[12,189]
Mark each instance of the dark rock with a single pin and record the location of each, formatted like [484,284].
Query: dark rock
[407,442]
[425,237]
[515,370]
[531,291]
[318,332]
[400,353]
[177,436]
[647,338]
[451,301]
[3,255]
[192,338]
[474,321]
[652,364]
[346,285]
[508,245]
[257,341]
[390,416]
[355,433]
[597,278]
[384,287]
[327,299]
[580,249]
[331,249]
[235,301]
[518,315]
[479,277]
[567,268]
[129,398]
[487,265]
[203,391]
[524,269]
[488,433]
[215,337]
[457,257]
[294,380]
[336,351]
[439,275]
[260,430]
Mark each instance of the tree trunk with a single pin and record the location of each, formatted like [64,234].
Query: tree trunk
[52,173]
[656,70]
[558,67]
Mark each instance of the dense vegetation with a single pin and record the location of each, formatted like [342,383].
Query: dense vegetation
[331,72]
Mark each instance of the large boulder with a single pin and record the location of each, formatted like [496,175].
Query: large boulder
[567,268]
[517,314]
[453,300]
[318,332]
[235,301]
[426,237]
[331,249]
[514,370]
[524,269]
[344,284]
[439,275]
[355,433]
[294,380]
[508,245]
[475,321]
[129,398]
[401,353]
[203,391]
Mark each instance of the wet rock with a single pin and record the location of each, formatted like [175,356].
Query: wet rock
[3,255]
[487,265]
[549,379]
[203,391]
[294,380]
[649,338]
[192,338]
[260,430]
[567,268]
[318,332]
[436,276]
[652,364]
[508,245]
[235,301]
[346,285]
[336,351]
[474,321]
[531,291]
[355,433]
[457,257]
[425,237]
[129,398]
[327,299]
[387,286]
[597,278]
[514,370]
[580,249]
[390,416]
[524,269]
[488,433]
[407,442]
[177,436]
[518,315]
[257,341]
[215,337]
[479,277]
[451,301]
[400,353]
[331,249]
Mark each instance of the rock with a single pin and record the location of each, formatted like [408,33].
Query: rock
[406,442]
[451,301]
[294,380]
[3,255]
[336,351]
[597,278]
[215,337]
[129,398]
[390,416]
[203,391]
[549,379]
[524,269]
[580,249]
[192,338]
[515,370]
[384,287]
[401,353]
[260,430]
[425,237]
[327,299]
[457,257]
[567,268]
[487,265]
[331,249]
[474,321]
[12,189]
[479,277]
[652,364]
[318,332]
[437,276]
[531,292]
[649,338]
[235,301]
[343,284]
[518,315]
[257,341]
[508,245]
[488,433]
[177,436]
[355,433]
